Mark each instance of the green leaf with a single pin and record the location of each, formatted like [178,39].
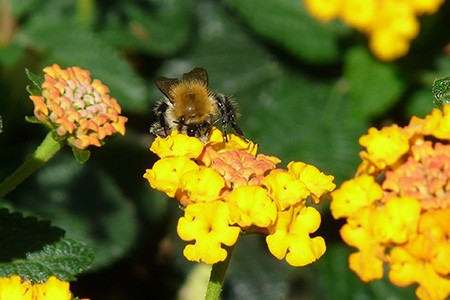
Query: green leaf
[443,66]
[160,31]
[441,92]
[37,81]
[58,138]
[75,46]
[86,202]
[19,8]
[64,259]
[236,64]
[373,86]
[11,54]
[420,103]
[287,23]
[20,235]
[81,155]
[306,120]
[32,120]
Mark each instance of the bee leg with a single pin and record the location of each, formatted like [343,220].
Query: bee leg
[224,128]
[228,112]
[160,127]
[237,129]
[157,130]
[220,100]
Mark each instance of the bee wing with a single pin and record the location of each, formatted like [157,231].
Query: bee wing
[165,85]
[196,74]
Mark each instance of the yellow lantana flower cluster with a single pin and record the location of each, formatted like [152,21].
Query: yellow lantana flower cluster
[77,108]
[15,288]
[390,25]
[227,189]
[398,205]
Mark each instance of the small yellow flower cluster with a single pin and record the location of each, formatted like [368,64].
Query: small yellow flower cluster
[398,205]
[390,25]
[77,108]
[227,189]
[53,289]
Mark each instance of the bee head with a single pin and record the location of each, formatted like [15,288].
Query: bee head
[198,130]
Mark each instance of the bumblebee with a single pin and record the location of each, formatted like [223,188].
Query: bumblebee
[191,108]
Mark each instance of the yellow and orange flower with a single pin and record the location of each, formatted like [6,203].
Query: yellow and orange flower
[398,205]
[77,108]
[15,288]
[390,25]
[227,188]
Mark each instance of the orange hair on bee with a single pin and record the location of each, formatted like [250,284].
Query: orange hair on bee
[191,98]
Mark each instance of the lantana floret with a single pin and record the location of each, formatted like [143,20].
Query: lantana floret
[208,225]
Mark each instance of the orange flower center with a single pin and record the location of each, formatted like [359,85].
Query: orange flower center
[424,176]
[240,168]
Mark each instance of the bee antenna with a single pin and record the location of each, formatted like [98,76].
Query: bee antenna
[229,113]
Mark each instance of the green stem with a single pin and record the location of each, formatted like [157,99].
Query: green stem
[46,150]
[217,277]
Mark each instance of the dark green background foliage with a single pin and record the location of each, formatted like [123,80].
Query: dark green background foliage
[306,92]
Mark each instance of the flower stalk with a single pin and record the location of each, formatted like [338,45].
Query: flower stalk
[44,152]
[217,277]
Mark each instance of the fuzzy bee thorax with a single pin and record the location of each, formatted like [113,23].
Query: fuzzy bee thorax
[191,99]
